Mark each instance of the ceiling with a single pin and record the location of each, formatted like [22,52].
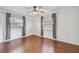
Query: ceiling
[23,10]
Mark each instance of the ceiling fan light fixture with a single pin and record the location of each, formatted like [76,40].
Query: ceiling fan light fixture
[35,12]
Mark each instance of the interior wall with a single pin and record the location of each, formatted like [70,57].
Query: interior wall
[68,25]
[33,25]
[2,26]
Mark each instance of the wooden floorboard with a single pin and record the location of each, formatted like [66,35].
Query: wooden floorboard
[37,44]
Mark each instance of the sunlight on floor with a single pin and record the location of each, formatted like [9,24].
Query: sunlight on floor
[17,50]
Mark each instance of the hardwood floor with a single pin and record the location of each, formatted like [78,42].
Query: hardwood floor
[36,44]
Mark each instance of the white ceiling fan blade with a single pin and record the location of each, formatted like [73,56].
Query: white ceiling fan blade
[36,10]
[29,12]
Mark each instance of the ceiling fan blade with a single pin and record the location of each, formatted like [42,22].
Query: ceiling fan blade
[42,11]
[37,10]
[29,12]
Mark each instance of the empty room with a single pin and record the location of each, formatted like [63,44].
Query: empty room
[39,29]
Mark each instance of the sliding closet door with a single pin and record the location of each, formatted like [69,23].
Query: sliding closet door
[16,27]
[47,29]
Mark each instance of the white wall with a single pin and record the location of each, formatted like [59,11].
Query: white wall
[68,25]
[33,25]
[2,26]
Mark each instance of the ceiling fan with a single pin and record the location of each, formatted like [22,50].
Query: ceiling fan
[37,10]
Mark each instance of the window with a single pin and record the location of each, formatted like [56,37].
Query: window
[16,26]
[47,27]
